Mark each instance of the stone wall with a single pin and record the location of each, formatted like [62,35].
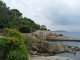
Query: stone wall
[42,33]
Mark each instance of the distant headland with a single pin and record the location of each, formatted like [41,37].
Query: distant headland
[60,31]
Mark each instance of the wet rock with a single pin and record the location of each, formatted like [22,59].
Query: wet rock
[77,49]
[61,47]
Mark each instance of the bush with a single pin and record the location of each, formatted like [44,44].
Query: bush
[2,44]
[43,29]
[25,29]
[15,45]
[17,54]
[28,43]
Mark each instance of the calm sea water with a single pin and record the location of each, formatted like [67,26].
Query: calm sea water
[70,34]
[73,35]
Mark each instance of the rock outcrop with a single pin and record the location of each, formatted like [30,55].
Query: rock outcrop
[61,38]
[52,47]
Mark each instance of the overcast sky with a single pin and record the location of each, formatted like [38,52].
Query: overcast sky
[55,14]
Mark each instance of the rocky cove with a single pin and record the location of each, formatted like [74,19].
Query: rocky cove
[53,50]
[50,49]
[70,43]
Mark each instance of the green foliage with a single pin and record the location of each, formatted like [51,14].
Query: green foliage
[12,18]
[17,55]
[25,29]
[27,25]
[16,49]
[2,43]
[17,12]
[3,14]
[43,29]
[13,33]
[28,43]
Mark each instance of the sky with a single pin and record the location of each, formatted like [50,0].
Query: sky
[55,14]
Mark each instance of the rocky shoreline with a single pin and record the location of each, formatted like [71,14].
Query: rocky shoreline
[61,38]
[47,50]
[52,48]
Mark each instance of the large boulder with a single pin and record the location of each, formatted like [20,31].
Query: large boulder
[52,47]
[48,47]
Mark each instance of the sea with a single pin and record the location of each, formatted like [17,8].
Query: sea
[71,43]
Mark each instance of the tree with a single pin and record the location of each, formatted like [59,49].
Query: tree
[3,14]
[27,25]
[12,18]
[25,29]
[19,14]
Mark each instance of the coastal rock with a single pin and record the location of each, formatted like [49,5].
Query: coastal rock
[49,47]
[77,48]
[61,38]
[52,47]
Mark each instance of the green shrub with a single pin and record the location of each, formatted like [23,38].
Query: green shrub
[17,55]
[28,42]
[15,45]
[25,29]
[43,29]
[2,44]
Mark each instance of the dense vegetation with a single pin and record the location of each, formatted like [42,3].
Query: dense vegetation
[14,46]
[12,18]
[13,43]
